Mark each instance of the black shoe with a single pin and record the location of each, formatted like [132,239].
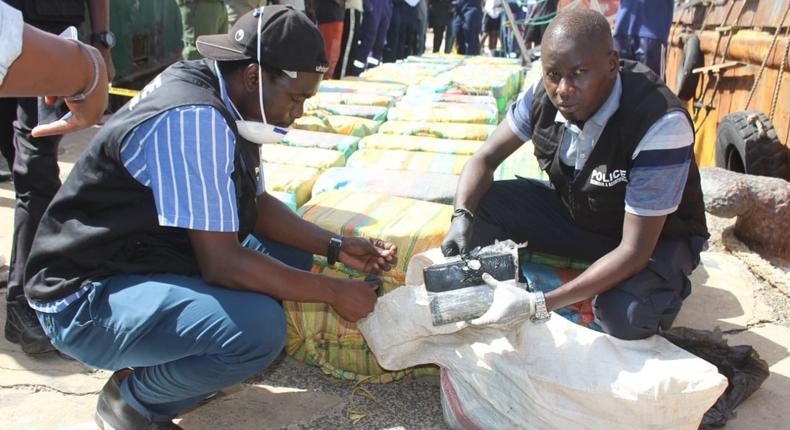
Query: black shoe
[22,327]
[113,413]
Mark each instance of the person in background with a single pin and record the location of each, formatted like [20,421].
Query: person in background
[200,17]
[163,258]
[330,15]
[537,22]
[237,8]
[352,22]
[402,34]
[492,21]
[369,52]
[641,31]
[422,27]
[35,164]
[440,18]
[466,26]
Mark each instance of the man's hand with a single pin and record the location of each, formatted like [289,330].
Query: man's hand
[83,113]
[353,299]
[457,239]
[368,255]
[511,304]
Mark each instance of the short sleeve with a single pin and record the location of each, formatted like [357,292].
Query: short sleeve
[660,167]
[518,113]
[11,30]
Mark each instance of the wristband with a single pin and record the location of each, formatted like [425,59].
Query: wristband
[333,251]
[464,213]
[94,82]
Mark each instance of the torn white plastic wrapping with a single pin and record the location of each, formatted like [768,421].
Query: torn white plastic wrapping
[555,375]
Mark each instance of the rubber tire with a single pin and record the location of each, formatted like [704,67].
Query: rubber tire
[740,147]
[686,81]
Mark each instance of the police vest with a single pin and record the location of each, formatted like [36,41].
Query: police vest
[595,198]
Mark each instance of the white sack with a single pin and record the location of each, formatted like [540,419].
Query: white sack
[555,375]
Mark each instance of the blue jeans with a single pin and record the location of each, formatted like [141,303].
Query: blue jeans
[185,339]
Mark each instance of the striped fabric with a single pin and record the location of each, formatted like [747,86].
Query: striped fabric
[449,164]
[316,139]
[316,335]
[445,112]
[438,129]
[317,158]
[420,143]
[185,155]
[339,124]
[431,187]
[292,185]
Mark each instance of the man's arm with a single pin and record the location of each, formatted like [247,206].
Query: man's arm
[99,11]
[640,235]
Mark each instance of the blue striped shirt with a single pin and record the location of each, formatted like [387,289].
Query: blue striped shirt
[661,159]
[185,156]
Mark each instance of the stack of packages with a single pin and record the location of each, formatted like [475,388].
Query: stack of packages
[383,160]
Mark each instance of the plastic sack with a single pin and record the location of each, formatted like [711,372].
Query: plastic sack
[321,120]
[376,113]
[450,164]
[420,143]
[555,375]
[350,98]
[431,187]
[741,365]
[445,112]
[521,163]
[359,86]
[438,129]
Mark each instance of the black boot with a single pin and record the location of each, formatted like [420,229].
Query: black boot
[113,413]
[22,327]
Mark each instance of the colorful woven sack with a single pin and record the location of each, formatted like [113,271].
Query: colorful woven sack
[431,187]
[521,163]
[449,164]
[292,185]
[376,113]
[360,86]
[420,143]
[316,335]
[445,112]
[438,129]
[357,99]
[320,159]
[316,139]
[321,120]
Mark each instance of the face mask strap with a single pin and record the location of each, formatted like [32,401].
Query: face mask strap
[259,11]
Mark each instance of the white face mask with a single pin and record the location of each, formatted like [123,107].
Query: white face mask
[259,132]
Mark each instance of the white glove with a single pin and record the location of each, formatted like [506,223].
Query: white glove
[511,304]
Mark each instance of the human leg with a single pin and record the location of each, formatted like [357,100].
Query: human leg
[199,17]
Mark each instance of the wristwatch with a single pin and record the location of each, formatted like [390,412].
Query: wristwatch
[105,38]
[541,313]
[333,252]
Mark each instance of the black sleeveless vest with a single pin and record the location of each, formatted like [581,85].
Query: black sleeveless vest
[103,222]
[595,198]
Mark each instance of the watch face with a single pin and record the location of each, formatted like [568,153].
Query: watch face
[109,39]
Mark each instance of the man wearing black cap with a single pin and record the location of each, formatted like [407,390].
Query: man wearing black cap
[163,258]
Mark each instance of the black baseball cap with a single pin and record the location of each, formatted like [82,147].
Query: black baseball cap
[289,41]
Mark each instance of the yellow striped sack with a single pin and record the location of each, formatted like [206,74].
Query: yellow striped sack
[438,129]
[420,143]
[316,335]
[360,86]
[292,185]
[321,120]
[318,158]
[521,163]
[359,99]
[449,164]
[445,112]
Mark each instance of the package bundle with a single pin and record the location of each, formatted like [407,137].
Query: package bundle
[449,164]
[350,98]
[323,121]
[445,112]
[441,130]
[376,113]
[420,143]
[317,158]
[291,185]
[316,335]
[521,163]
[316,139]
[362,87]
[431,187]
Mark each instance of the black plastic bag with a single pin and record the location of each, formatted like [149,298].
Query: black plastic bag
[743,367]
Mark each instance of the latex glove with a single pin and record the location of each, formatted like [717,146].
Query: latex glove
[457,239]
[511,304]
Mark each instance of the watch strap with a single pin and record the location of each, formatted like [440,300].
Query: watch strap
[542,313]
[333,251]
